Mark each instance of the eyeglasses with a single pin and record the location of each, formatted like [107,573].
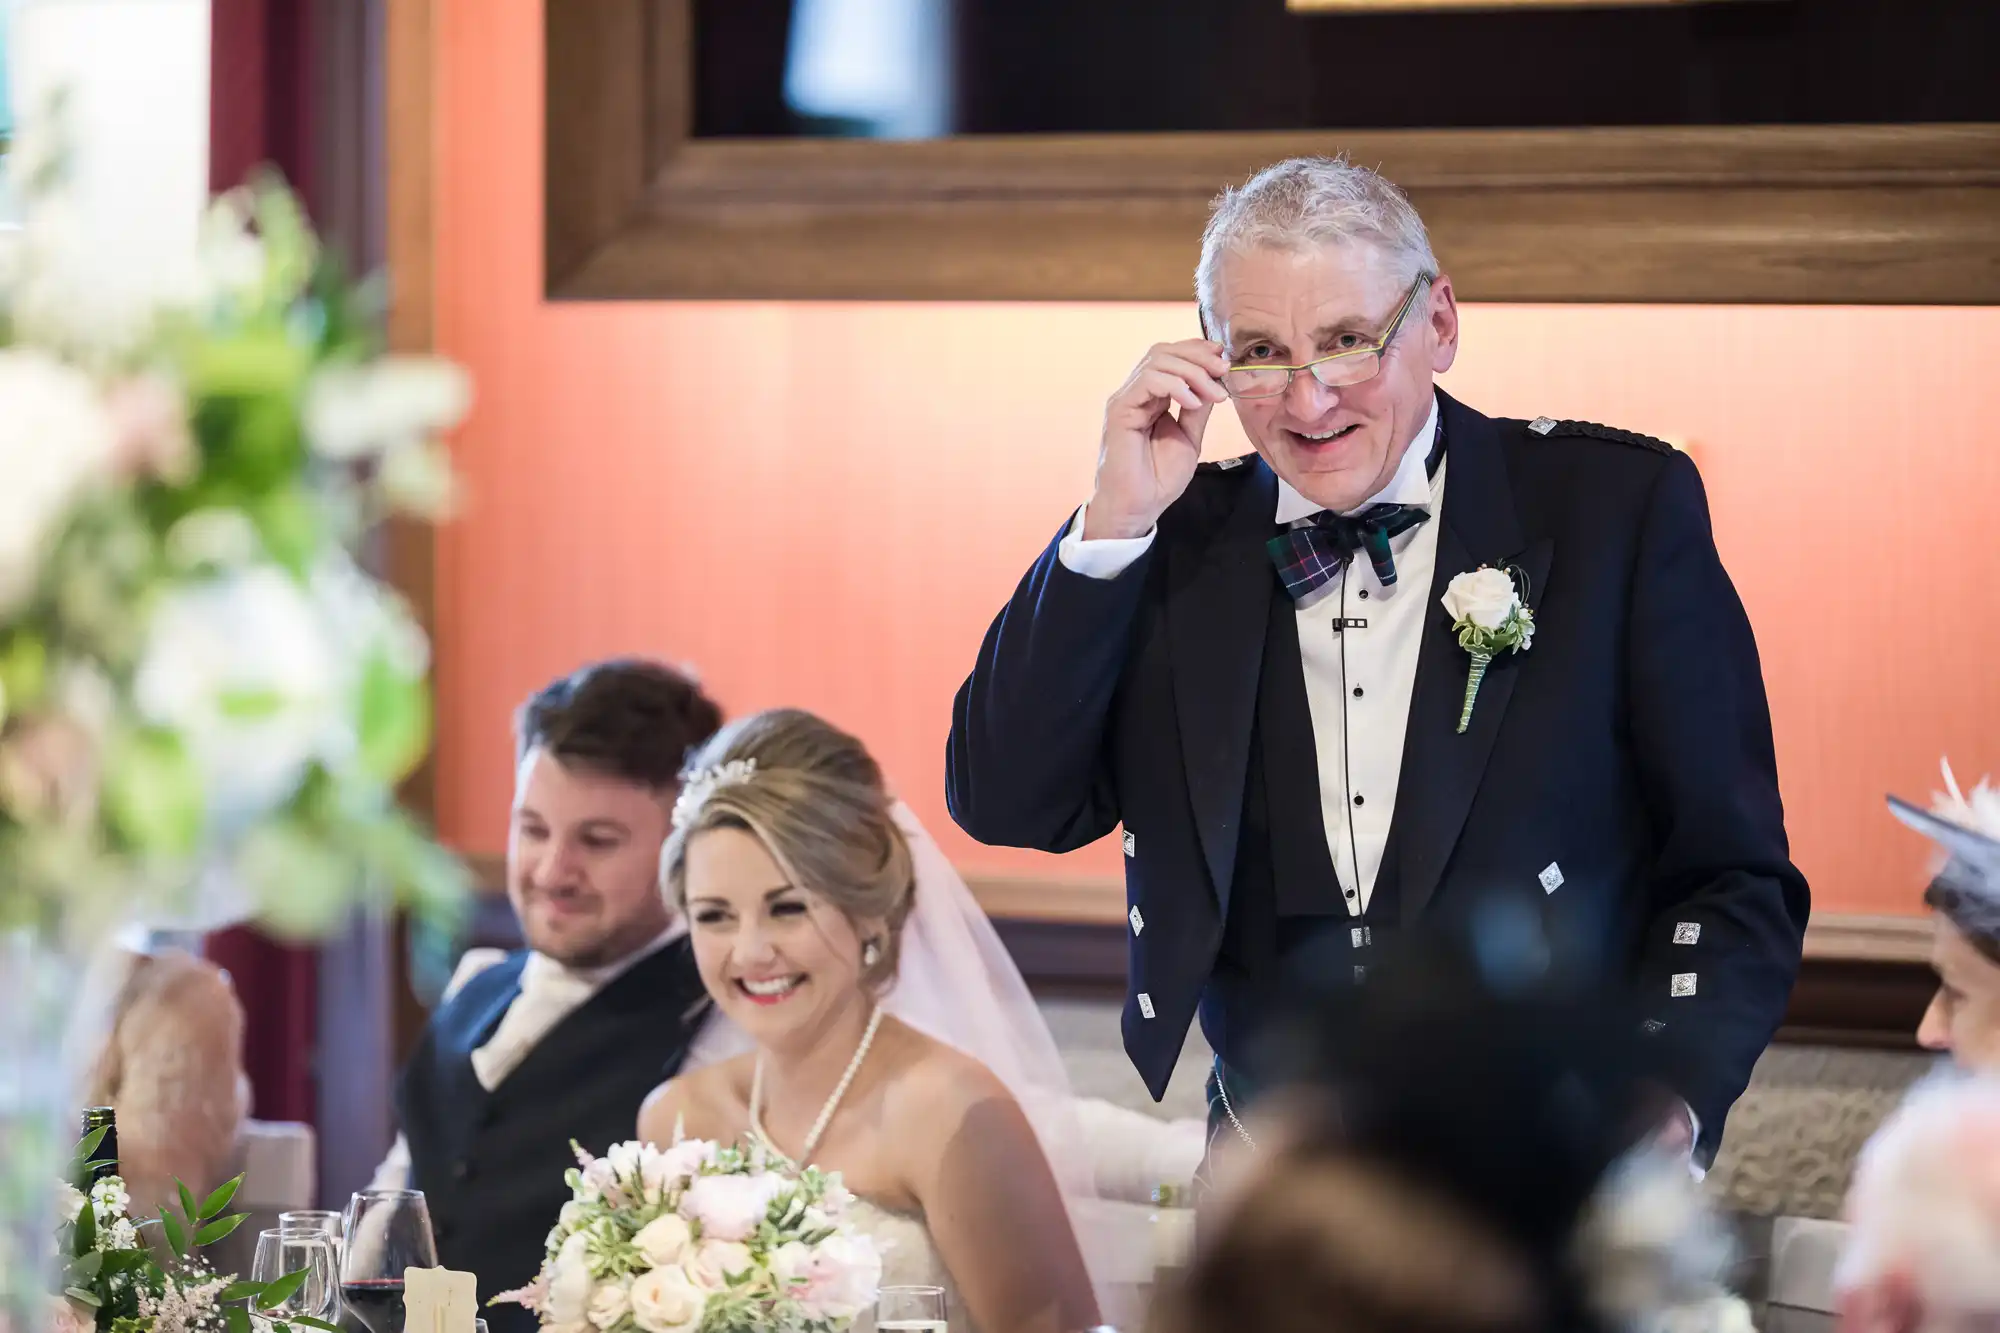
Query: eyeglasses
[1348,366]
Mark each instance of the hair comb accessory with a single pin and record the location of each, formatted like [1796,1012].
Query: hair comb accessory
[698,785]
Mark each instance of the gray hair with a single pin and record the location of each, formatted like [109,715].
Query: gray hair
[1307,201]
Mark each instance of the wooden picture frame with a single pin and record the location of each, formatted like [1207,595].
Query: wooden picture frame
[636,208]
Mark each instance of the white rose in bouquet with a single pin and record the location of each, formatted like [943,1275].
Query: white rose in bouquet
[666,1301]
[663,1240]
[570,1290]
[608,1304]
[714,1262]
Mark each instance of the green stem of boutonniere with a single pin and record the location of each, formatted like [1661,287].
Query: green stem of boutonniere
[1480,661]
[1483,645]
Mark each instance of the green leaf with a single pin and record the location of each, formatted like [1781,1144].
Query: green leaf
[88,1145]
[84,1267]
[24,679]
[86,1228]
[249,705]
[82,1297]
[394,721]
[321,1324]
[176,1237]
[238,1291]
[292,526]
[188,1210]
[153,796]
[302,885]
[220,1199]
[215,1231]
[238,1319]
[283,1289]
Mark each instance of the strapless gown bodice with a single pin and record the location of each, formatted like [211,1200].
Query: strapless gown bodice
[908,1258]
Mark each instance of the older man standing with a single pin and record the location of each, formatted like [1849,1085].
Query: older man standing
[1251,666]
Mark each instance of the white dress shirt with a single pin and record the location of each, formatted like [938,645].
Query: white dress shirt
[1359,678]
[550,992]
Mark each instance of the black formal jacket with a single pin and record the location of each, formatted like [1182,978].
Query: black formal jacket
[491,1164]
[1630,746]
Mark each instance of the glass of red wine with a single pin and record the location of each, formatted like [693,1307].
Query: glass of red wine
[387,1231]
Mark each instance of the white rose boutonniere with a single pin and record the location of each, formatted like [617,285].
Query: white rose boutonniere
[1487,611]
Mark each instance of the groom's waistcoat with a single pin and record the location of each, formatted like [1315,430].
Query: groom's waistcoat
[491,1164]
[1288,911]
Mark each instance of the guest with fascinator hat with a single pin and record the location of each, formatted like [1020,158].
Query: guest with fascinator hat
[1923,1248]
[1964,1016]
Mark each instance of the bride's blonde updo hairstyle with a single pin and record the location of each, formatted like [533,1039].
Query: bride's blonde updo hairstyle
[814,796]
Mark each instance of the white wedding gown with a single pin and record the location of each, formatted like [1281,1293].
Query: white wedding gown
[908,1259]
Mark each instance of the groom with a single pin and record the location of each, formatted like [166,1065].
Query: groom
[564,1039]
[1247,665]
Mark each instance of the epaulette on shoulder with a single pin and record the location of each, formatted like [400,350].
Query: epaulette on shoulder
[1224,464]
[1550,426]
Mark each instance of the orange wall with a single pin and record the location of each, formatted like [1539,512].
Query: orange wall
[823,505]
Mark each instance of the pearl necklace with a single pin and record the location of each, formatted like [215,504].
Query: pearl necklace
[832,1102]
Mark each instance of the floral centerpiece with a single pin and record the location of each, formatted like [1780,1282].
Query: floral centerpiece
[206,701]
[112,1283]
[704,1239]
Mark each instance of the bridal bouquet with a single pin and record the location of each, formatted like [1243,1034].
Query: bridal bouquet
[702,1239]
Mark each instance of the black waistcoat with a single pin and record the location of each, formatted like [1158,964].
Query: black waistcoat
[491,1164]
[1288,911]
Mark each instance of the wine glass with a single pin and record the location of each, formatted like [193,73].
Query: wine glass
[281,1253]
[387,1231]
[913,1309]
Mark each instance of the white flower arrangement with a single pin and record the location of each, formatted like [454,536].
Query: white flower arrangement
[701,1239]
[195,674]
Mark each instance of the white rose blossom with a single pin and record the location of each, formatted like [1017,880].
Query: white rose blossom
[571,1287]
[714,1262]
[1486,597]
[664,1240]
[608,1304]
[666,1301]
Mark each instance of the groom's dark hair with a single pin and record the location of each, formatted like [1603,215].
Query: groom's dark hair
[626,718]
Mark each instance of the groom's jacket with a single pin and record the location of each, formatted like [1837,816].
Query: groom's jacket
[1617,778]
[491,1164]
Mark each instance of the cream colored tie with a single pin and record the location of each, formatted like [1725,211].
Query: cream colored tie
[550,993]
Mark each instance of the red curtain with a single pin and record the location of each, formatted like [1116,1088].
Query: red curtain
[260,113]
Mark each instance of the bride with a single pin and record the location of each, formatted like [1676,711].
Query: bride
[797,879]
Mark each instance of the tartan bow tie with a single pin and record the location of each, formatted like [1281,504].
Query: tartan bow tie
[1310,555]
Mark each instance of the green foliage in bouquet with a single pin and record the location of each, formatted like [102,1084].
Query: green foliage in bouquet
[111,1279]
[199,682]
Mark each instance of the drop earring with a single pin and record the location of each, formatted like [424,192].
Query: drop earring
[871,954]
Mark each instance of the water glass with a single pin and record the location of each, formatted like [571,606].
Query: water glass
[281,1253]
[324,1220]
[387,1231]
[912,1309]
